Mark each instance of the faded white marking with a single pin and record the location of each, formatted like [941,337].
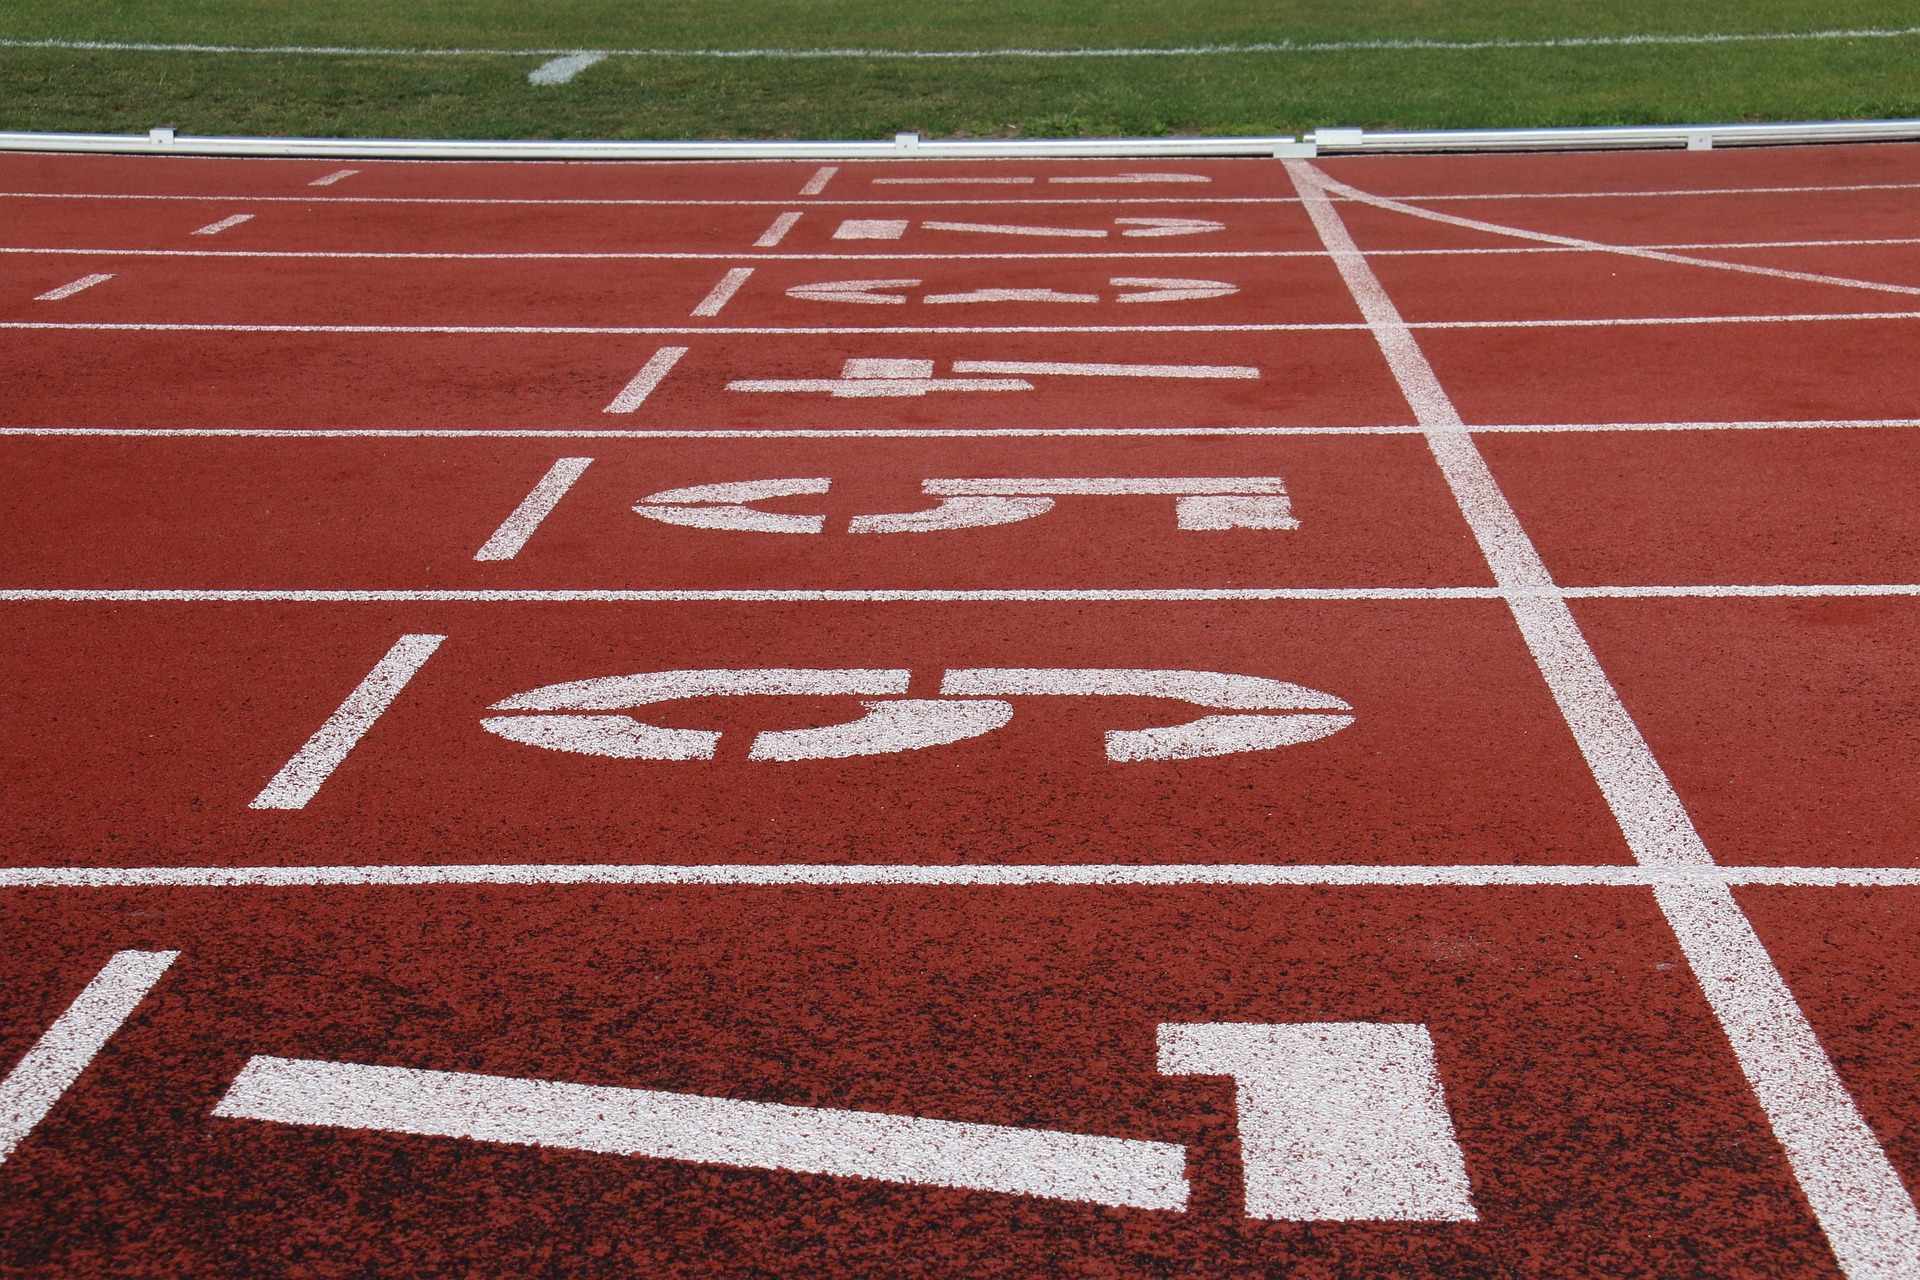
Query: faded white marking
[539,503]
[651,375]
[301,778]
[1129,178]
[724,1131]
[909,724]
[1006,229]
[954,513]
[821,177]
[1339,1121]
[48,1069]
[1010,295]
[68,290]
[774,234]
[865,291]
[215,228]
[1203,503]
[331,178]
[871,229]
[1855,1193]
[722,506]
[723,292]
[1106,370]
[563,69]
[930,182]
[1168,226]
[1171,288]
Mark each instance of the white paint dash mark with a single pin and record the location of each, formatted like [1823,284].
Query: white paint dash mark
[215,228]
[331,178]
[561,70]
[723,1131]
[821,177]
[774,234]
[1008,229]
[68,290]
[929,182]
[56,1060]
[723,292]
[539,503]
[1107,370]
[1854,1191]
[301,778]
[651,375]
[1136,177]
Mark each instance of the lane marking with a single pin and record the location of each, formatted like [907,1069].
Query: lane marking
[893,202]
[1107,370]
[774,234]
[723,292]
[1013,875]
[643,383]
[1596,246]
[1339,1121]
[68,290]
[1855,1193]
[1132,178]
[301,778]
[562,70]
[47,1070]
[1177,51]
[725,1131]
[215,228]
[331,178]
[929,182]
[818,182]
[539,503]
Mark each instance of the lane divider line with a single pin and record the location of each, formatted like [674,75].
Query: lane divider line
[331,178]
[723,292]
[539,503]
[1854,1191]
[821,177]
[47,1070]
[774,234]
[301,778]
[68,290]
[651,375]
[215,228]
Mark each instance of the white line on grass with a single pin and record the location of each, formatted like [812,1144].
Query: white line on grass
[774,234]
[57,1059]
[643,383]
[563,69]
[68,290]
[723,292]
[1177,51]
[539,503]
[301,778]
[993,874]
[1852,1187]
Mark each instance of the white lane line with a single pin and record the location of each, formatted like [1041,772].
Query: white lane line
[931,182]
[973,874]
[215,228]
[723,292]
[821,177]
[563,69]
[1107,370]
[301,778]
[725,1131]
[1006,229]
[936,433]
[1815,188]
[47,1070]
[331,178]
[1597,246]
[539,503]
[1128,179]
[68,290]
[895,202]
[774,234]
[651,375]
[1853,1189]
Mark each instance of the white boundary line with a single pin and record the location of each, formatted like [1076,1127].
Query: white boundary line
[1854,1191]
[47,1070]
[539,503]
[984,875]
[605,201]
[301,777]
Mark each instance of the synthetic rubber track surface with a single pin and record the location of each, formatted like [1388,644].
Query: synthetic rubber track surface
[1343,719]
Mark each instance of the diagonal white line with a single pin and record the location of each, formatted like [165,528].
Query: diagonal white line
[723,292]
[539,503]
[1855,1193]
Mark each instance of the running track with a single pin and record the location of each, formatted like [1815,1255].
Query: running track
[1331,719]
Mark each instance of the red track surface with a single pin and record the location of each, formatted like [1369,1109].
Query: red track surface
[1596,710]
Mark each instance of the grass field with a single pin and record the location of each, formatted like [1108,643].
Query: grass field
[487,94]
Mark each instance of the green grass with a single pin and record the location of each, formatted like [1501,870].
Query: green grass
[654,97]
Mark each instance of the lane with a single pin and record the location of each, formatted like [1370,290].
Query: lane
[1579,1078]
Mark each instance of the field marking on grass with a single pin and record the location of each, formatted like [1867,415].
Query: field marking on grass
[215,228]
[974,875]
[562,70]
[1177,51]
[539,503]
[73,287]
[1856,1195]
[931,595]
[722,293]
[993,433]
[331,178]
[643,383]
[48,1069]
[302,776]
[1598,246]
